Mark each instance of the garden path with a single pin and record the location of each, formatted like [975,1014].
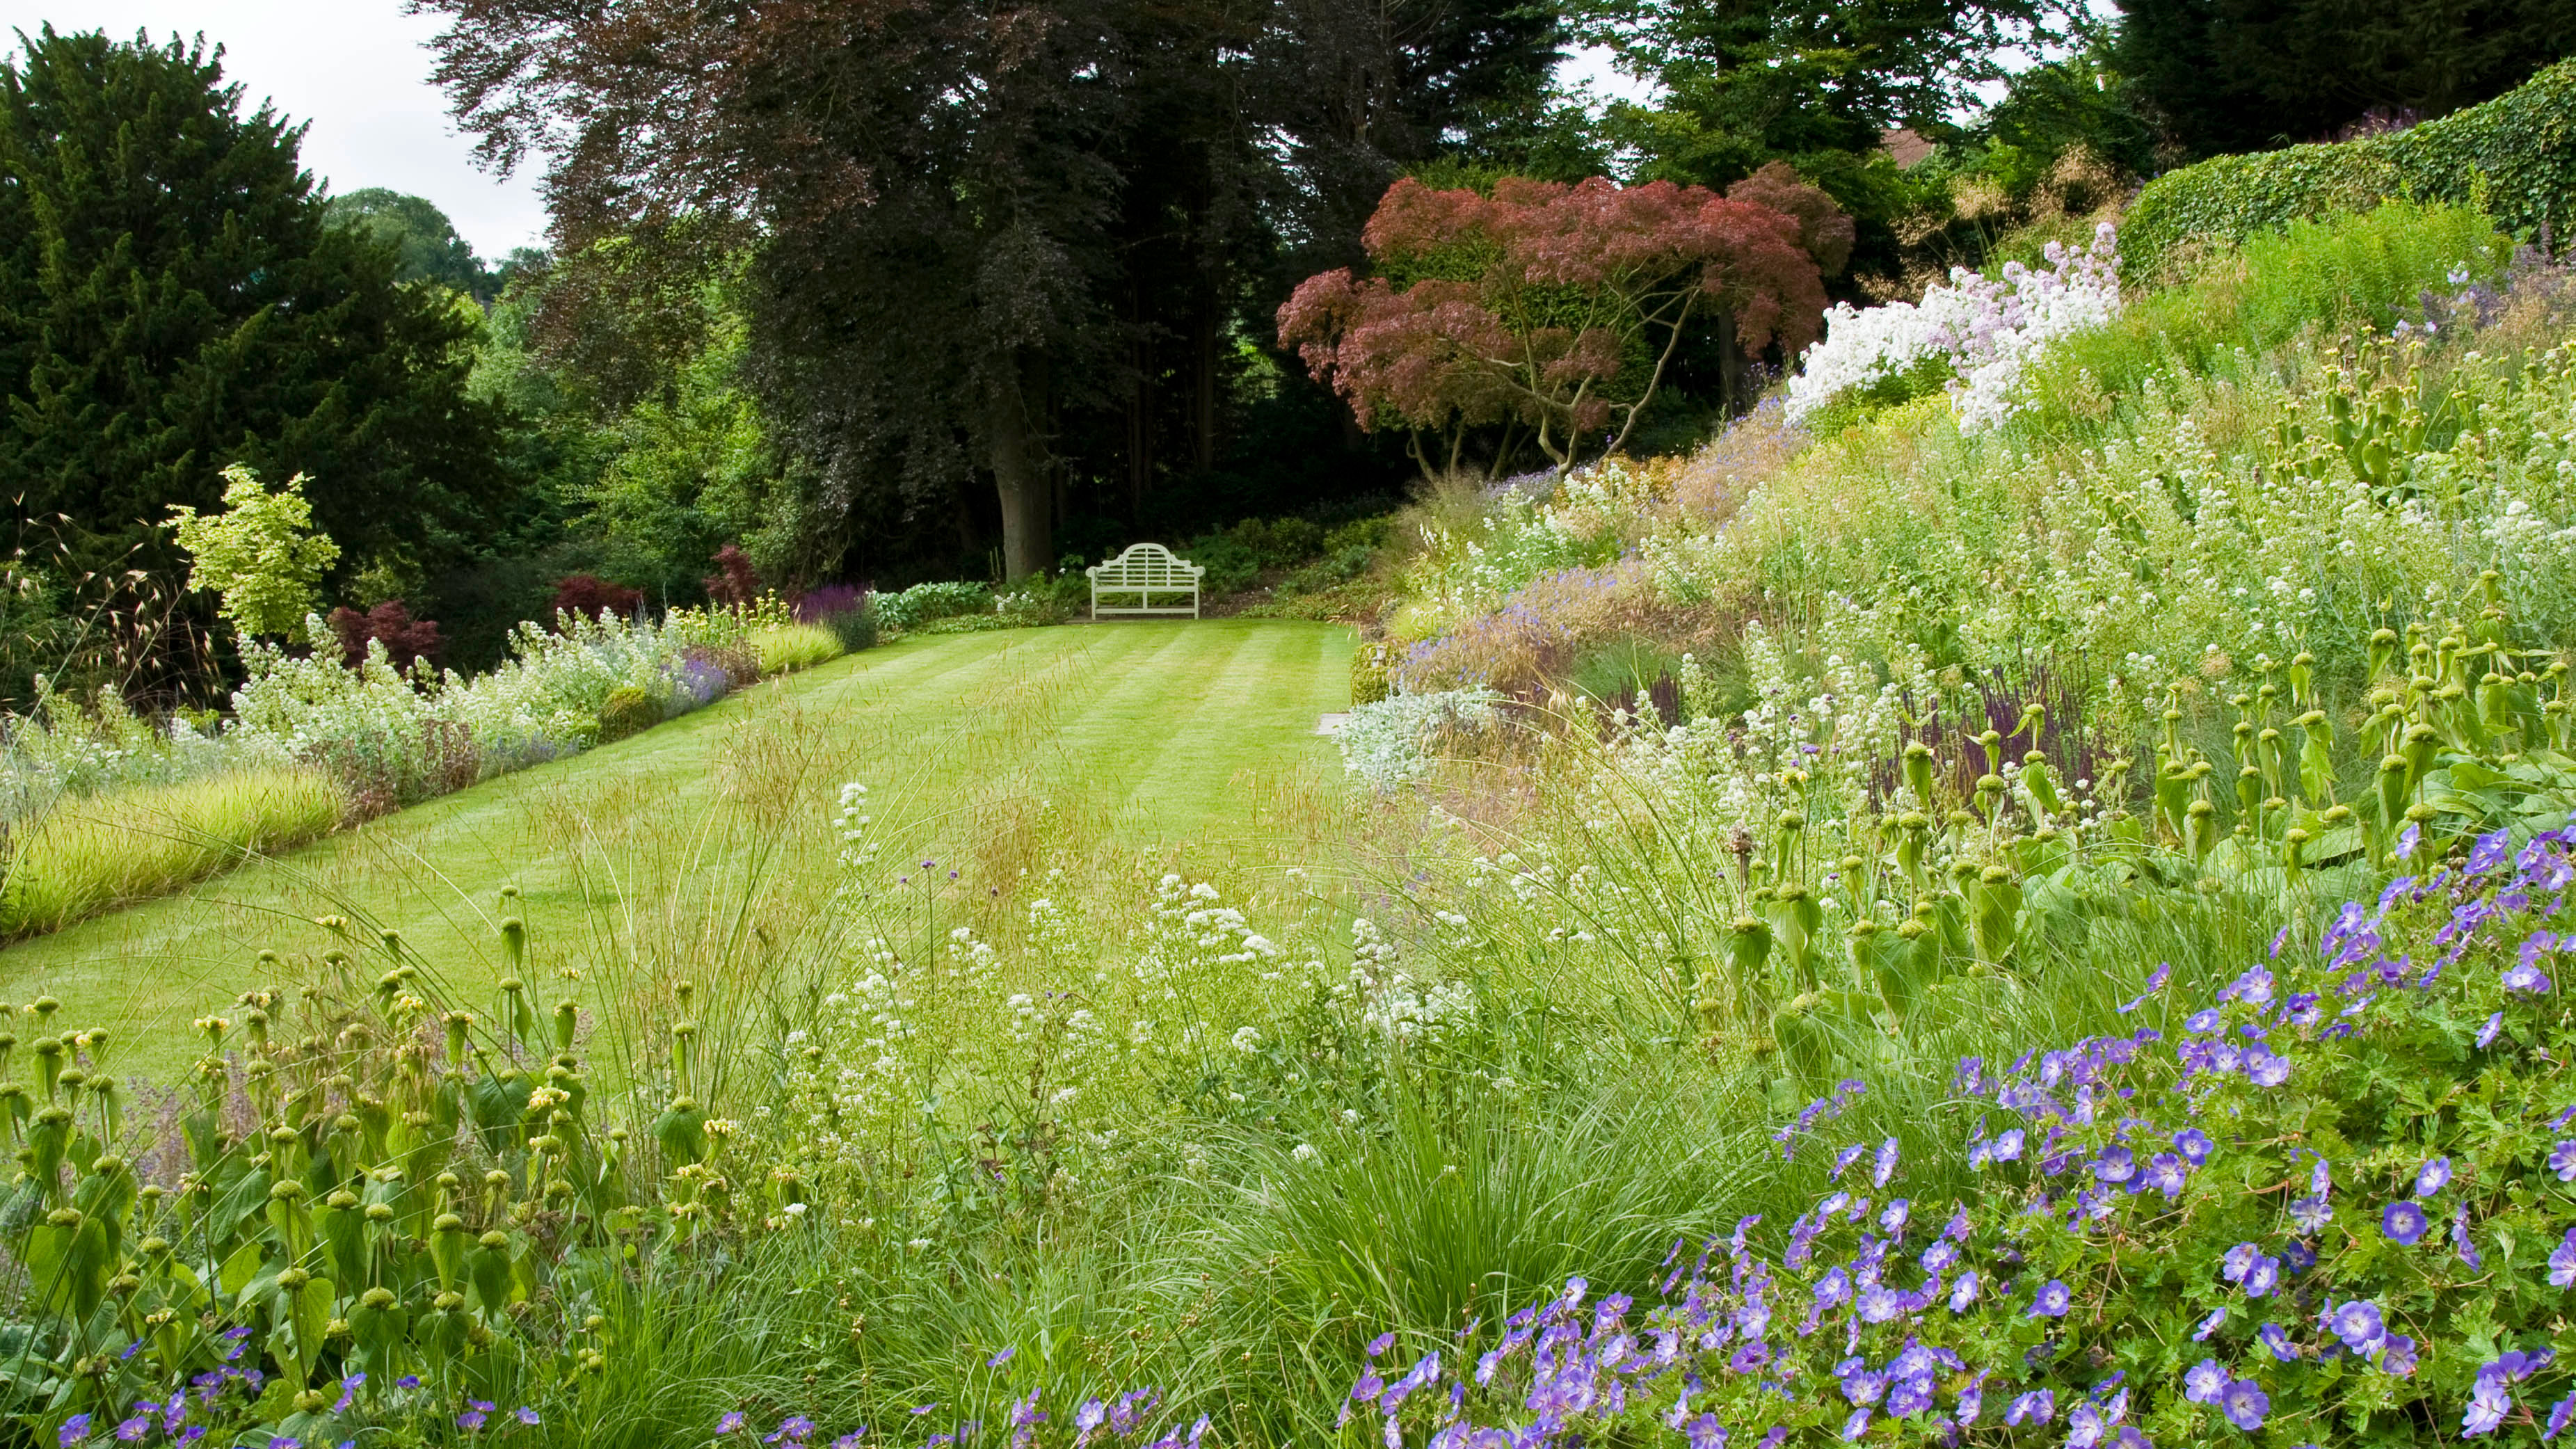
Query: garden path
[1124,749]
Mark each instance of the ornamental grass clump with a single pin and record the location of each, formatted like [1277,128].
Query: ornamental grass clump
[2328,1201]
[85,856]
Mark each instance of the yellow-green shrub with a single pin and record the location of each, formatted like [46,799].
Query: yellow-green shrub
[88,855]
[795,646]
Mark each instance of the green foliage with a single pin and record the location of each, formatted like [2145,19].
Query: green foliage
[787,647]
[172,298]
[357,1201]
[627,710]
[258,554]
[2321,277]
[927,603]
[2514,156]
[424,241]
[2248,75]
[85,856]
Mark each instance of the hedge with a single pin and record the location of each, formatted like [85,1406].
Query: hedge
[2514,155]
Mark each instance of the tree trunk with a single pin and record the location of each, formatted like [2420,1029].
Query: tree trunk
[1730,367]
[1203,404]
[1019,476]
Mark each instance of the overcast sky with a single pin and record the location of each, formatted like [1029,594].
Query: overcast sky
[357,70]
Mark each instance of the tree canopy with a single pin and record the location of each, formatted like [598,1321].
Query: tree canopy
[172,302]
[1017,248]
[426,246]
[2246,75]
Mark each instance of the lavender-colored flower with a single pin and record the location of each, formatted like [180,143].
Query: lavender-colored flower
[2402,1222]
[2487,1033]
[1844,1159]
[2263,1277]
[2194,1145]
[525,1415]
[2562,1160]
[2492,850]
[2489,1402]
[2209,1325]
[731,1423]
[2245,1404]
[2036,1407]
[1750,1355]
[2052,1300]
[2204,1021]
[2204,1381]
[2164,1173]
[2115,1165]
[1892,1218]
[74,1430]
[2398,1356]
[2008,1143]
[2357,1323]
[2278,1342]
[2312,1213]
[2526,977]
[2408,839]
[2239,1261]
[2559,1415]
[2433,1177]
[1885,1167]
[1963,1292]
[1856,1425]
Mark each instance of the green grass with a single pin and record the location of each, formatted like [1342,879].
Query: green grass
[87,855]
[1129,748]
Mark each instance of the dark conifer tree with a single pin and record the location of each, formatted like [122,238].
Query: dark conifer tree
[172,301]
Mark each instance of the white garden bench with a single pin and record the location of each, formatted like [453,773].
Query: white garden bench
[1146,570]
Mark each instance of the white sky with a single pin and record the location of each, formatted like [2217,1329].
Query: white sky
[358,70]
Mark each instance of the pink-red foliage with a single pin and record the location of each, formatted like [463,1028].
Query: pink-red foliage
[585,595]
[391,624]
[735,583]
[1530,301]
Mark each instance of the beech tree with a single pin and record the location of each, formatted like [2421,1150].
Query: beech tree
[990,240]
[1554,311]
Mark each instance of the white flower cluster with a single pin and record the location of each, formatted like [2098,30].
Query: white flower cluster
[1986,328]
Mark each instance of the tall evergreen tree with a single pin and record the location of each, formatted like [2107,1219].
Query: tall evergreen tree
[172,301]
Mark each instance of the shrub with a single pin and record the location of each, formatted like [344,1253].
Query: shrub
[735,583]
[845,609]
[587,596]
[627,710]
[391,624]
[923,603]
[2514,156]
[85,856]
[261,553]
[791,647]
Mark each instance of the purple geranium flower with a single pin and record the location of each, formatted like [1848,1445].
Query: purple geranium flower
[2357,1323]
[2403,1222]
[2263,1277]
[2562,1160]
[2052,1300]
[2209,1325]
[2204,1381]
[2194,1145]
[2245,1404]
[2432,1177]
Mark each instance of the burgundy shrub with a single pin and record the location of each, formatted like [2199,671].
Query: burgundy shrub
[587,595]
[391,624]
[735,583]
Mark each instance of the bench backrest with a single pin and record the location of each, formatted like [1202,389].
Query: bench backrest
[1147,565]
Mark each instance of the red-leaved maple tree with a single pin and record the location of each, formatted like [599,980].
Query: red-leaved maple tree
[1553,310]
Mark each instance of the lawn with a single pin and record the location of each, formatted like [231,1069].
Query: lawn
[1126,749]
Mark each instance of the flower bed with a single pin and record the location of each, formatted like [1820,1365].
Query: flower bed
[2327,1200]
